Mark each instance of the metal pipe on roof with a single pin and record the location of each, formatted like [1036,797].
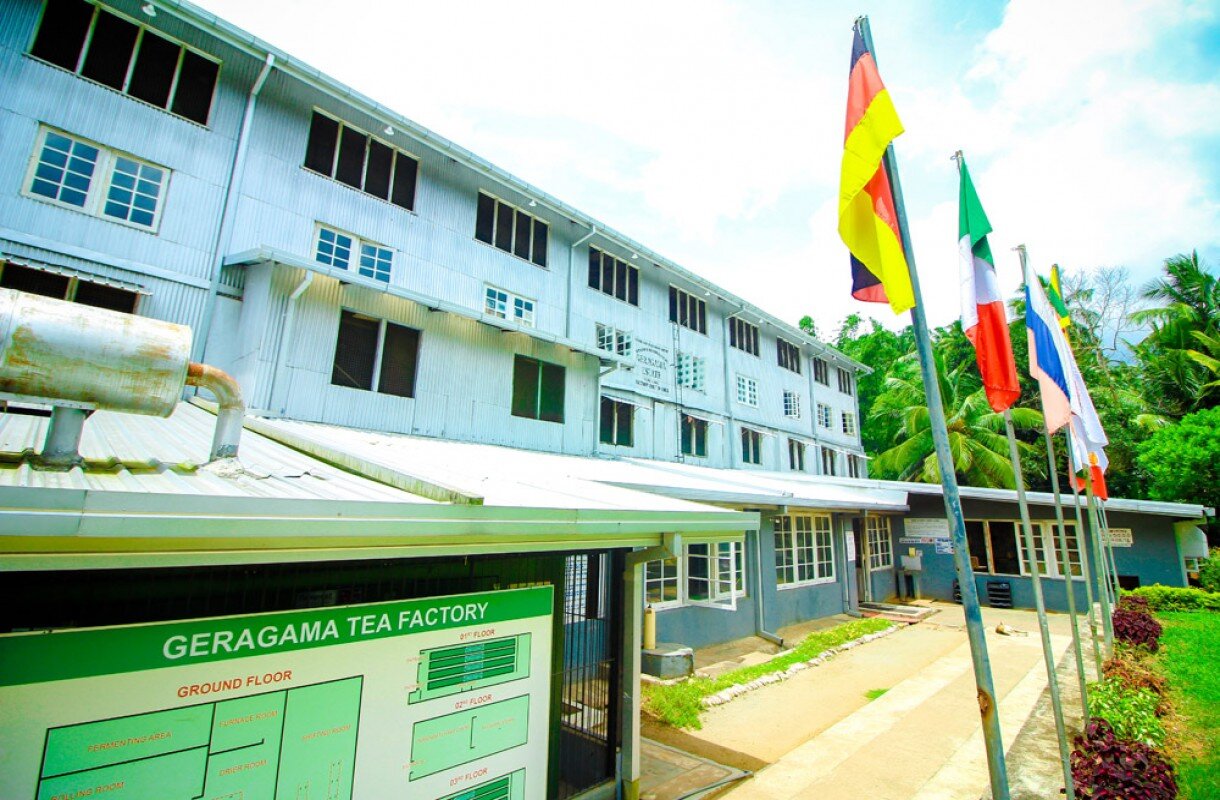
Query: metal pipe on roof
[232,409]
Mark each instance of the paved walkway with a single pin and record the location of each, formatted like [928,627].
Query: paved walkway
[921,740]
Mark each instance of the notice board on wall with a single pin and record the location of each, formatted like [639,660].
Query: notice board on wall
[436,698]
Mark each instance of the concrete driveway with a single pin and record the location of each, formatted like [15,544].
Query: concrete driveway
[818,736]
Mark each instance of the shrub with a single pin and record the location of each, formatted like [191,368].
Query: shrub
[1138,628]
[1133,602]
[1104,766]
[1178,598]
[1137,673]
[1209,571]
[1131,712]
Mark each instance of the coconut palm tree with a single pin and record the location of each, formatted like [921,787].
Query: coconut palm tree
[976,433]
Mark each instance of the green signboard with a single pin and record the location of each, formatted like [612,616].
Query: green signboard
[437,698]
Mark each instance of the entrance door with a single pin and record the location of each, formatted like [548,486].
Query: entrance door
[863,593]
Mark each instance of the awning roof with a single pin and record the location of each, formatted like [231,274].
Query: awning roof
[69,272]
[506,475]
[274,255]
[141,498]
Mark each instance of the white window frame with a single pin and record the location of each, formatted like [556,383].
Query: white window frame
[724,574]
[1046,539]
[825,416]
[755,437]
[692,372]
[855,466]
[358,250]
[798,448]
[660,578]
[792,404]
[880,543]
[831,455]
[614,340]
[847,384]
[503,304]
[747,391]
[101,180]
[808,537]
[821,371]
[849,423]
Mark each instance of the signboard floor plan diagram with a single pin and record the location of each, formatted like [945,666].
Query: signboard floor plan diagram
[399,700]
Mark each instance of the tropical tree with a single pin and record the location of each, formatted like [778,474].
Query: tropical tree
[977,441]
[1175,381]
[1183,460]
[878,348]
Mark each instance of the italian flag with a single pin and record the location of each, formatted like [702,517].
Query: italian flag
[983,317]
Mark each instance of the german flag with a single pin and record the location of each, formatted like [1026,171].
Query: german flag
[868,218]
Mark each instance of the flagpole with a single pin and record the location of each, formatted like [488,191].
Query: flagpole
[984,685]
[1107,622]
[1086,552]
[1105,525]
[1069,588]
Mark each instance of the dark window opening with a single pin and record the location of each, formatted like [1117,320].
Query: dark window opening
[511,230]
[694,436]
[35,281]
[153,74]
[363,163]
[1004,554]
[61,35]
[101,296]
[687,310]
[616,422]
[355,351]
[377,173]
[614,277]
[196,85]
[485,223]
[323,136]
[751,446]
[350,167]
[977,545]
[538,389]
[110,50]
[405,172]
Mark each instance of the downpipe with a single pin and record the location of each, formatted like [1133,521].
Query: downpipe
[231,411]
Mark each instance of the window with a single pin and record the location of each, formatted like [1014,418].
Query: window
[538,389]
[788,355]
[350,156]
[335,248]
[687,310]
[613,276]
[880,545]
[506,305]
[661,583]
[709,574]
[747,391]
[616,422]
[823,416]
[821,371]
[751,446]
[804,550]
[126,56]
[743,335]
[106,183]
[692,372]
[373,352]
[693,436]
[510,229]
[849,423]
[997,547]
[613,340]
[796,455]
[714,572]
[68,287]
[855,466]
[792,405]
[846,385]
[1046,540]
[828,461]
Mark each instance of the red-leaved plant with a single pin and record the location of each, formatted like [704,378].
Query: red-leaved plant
[1105,767]
[1138,628]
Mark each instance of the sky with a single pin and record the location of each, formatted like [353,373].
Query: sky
[711,131]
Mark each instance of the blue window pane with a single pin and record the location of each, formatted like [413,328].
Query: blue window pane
[56,157]
[59,142]
[44,188]
[148,188]
[327,236]
[49,173]
[72,196]
[123,179]
[146,203]
[126,165]
[85,151]
[81,166]
[79,182]
[120,196]
[142,218]
[152,174]
[114,209]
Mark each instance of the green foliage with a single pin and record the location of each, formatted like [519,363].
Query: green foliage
[680,704]
[1178,598]
[1131,712]
[879,348]
[1190,651]
[1183,460]
[1209,571]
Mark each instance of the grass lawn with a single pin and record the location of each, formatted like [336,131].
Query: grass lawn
[680,704]
[1190,653]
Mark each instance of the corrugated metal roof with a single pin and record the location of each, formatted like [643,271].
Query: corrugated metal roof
[508,476]
[499,476]
[131,453]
